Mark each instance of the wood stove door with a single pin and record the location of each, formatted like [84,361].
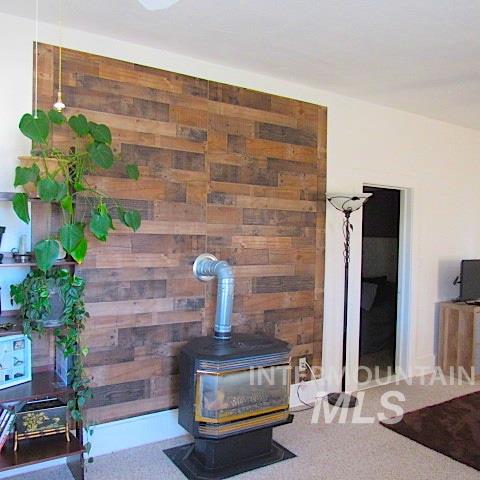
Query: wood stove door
[232,395]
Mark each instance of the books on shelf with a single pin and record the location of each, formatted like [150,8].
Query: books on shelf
[3,418]
[7,421]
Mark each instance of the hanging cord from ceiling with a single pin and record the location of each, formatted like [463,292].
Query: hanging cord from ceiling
[35,108]
[59,105]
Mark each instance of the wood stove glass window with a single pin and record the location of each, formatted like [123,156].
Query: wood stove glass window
[226,396]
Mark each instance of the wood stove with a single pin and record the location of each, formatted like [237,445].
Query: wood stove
[233,391]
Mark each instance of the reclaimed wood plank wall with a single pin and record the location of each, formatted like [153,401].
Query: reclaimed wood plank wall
[231,171]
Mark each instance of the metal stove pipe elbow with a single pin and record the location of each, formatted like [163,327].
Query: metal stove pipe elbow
[206,268]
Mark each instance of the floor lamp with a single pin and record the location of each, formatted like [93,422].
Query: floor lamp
[346,204]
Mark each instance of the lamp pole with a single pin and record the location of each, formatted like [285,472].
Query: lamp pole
[346,256]
[346,205]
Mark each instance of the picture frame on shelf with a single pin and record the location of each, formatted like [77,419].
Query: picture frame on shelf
[15,360]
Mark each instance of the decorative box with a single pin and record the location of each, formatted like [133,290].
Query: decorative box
[41,418]
[15,360]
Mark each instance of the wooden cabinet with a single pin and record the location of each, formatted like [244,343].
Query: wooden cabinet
[459,338]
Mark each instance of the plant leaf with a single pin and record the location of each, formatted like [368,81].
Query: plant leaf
[70,236]
[47,189]
[99,225]
[101,154]
[79,124]
[36,129]
[132,171]
[102,209]
[61,191]
[67,204]
[121,213]
[80,251]
[76,415]
[46,253]
[132,219]
[24,175]
[100,132]
[56,117]
[20,206]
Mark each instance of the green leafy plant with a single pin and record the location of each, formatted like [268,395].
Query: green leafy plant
[60,176]
[33,297]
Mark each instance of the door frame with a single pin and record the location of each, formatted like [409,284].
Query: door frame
[404,337]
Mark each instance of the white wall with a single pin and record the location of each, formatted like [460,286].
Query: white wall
[366,144]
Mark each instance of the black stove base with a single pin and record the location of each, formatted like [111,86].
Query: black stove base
[218,459]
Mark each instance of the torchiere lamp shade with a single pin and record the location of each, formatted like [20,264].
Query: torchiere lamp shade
[347,202]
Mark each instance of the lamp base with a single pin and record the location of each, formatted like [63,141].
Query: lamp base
[342,400]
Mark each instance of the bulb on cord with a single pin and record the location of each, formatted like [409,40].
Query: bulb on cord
[59,105]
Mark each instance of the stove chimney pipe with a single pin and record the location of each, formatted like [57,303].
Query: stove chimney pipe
[206,268]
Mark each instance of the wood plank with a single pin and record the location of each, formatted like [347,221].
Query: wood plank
[284,191]
[131,371]
[130,306]
[250,114]
[245,201]
[272,284]
[279,133]
[268,301]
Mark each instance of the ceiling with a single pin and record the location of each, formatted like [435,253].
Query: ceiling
[421,56]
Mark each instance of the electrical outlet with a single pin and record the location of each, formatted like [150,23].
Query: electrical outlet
[302,364]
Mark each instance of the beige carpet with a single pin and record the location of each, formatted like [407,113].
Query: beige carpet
[327,452]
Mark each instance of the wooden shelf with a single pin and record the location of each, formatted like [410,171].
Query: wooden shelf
[39,450]
[43,385]
[9,262]
[8,197]
[11,316]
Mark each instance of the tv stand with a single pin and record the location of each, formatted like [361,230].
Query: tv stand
[458,342]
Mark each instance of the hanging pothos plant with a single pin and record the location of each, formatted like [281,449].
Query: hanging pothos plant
[60,175]
[33,296]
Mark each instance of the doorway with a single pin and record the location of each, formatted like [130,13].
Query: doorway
[380,284]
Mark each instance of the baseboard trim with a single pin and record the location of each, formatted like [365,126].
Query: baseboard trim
[135,431]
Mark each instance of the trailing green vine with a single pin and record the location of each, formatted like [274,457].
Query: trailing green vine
[33,297]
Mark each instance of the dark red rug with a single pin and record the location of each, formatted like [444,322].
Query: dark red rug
[451,428]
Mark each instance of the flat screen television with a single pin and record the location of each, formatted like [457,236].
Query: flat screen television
[470,280]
